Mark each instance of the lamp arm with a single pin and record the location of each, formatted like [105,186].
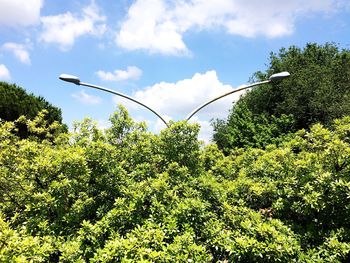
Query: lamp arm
[124,96]
[224,95]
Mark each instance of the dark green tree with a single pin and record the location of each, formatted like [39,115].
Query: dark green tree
[243,128]
[318,91]
[15,102]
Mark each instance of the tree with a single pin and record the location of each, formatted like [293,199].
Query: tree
[318,90]
[244,129]
[15,102]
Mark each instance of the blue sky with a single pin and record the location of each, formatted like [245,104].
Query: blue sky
[172,55]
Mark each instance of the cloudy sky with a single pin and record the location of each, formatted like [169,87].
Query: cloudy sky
[173,55]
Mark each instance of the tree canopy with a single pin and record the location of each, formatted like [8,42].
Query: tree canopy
[318,91]
[16,102]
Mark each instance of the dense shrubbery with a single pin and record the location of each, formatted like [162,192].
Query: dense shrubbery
[126,195]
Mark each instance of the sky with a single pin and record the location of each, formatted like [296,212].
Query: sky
[172,55]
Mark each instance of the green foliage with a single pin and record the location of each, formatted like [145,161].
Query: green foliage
[179,144]
[18,246]
[126,195]
[318,91]
[16,102]
[243,128]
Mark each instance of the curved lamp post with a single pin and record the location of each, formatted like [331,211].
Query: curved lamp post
[76,81]
[272,78]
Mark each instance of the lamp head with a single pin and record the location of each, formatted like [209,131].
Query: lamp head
[70,78]
[279,76]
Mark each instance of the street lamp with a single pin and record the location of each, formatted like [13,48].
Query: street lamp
[76,81]
[272,78]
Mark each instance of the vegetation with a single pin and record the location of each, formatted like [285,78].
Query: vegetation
[16,102]
[126,195]
[275,186]
[318,91]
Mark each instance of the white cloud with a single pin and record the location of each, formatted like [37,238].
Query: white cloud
[131,72]
[19,51]
[178,100]
[159,25]
[4,73]
[63,29]
[85,98]
[15,13]
[147,27]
